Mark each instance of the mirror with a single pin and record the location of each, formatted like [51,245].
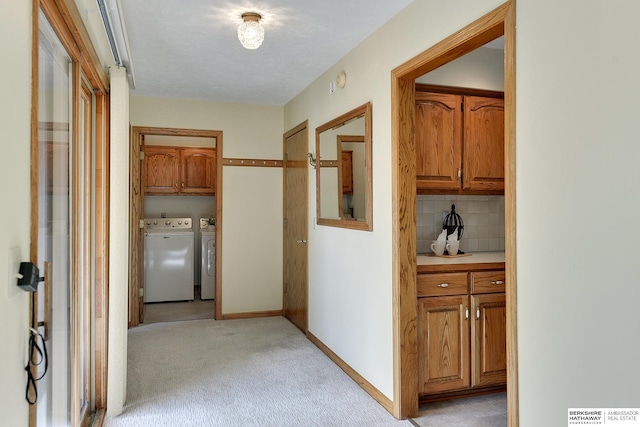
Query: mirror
[343,171]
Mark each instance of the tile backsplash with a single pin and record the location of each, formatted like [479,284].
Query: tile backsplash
[483,218]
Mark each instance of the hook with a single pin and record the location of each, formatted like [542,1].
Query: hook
[312,160]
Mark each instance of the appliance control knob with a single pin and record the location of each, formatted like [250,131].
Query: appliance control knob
[148,222]
[167,222]
[179,222]
[155,222]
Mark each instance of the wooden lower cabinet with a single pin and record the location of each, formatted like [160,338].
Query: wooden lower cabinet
[461,338]
[443,353]
[489,340]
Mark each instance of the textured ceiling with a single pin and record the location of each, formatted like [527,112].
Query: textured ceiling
[189,48]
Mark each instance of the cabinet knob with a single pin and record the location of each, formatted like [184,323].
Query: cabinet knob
[466,313]
[302,241]
[478,313]
[442,285]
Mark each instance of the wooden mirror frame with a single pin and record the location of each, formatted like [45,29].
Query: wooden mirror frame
[366,225]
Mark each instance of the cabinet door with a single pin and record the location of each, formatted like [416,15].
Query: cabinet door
[488,340]
[483,143]
[438,139]
[160,170]
[198,171]
[347,172]
[443,343]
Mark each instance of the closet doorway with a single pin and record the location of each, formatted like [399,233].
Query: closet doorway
[500,21]
[162,136]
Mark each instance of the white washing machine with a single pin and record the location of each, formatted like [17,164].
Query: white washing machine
[168,260]
[208,266]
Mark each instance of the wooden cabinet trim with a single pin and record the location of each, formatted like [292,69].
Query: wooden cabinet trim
[422,87]
[457,268]
[264,163]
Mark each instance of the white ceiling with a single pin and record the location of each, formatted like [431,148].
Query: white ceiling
[189,48]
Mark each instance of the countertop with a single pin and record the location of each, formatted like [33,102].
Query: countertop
[475,258]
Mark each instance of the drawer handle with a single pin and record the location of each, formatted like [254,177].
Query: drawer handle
[442,285]
[466,313]
[497,282]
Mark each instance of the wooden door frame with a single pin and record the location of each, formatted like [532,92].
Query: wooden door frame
[302,127]
[137,133]
[500,21]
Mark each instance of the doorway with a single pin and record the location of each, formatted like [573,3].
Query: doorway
[296,201]
[500,21]
[163,136]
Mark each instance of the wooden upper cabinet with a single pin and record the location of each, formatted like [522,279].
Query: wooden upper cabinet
[459,142]
[438,140]
[161,166]
[169,170]
[483,143]
[198,171]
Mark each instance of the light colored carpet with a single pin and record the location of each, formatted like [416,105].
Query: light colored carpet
[489,410]
[249,372]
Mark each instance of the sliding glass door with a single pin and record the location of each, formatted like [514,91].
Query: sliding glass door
[54,220]
[65,114]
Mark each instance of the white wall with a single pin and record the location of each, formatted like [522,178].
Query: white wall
[482,68]
[251,197]
[15,215]
[578,152]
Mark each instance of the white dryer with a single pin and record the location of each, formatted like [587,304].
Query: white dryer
[168,260]
[208,266]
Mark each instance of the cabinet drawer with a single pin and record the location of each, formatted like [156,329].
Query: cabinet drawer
[485,282]
[430,285]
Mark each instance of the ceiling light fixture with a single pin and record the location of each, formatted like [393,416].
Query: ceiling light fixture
[250,32]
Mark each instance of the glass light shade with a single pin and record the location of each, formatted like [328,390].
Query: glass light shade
[251,34]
